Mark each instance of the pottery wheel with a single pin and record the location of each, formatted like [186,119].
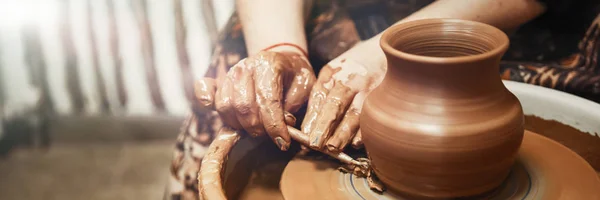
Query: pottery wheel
[544,170]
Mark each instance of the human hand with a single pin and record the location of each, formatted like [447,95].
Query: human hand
[257,92]
[332,117]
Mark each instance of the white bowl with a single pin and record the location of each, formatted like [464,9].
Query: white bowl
[551,104]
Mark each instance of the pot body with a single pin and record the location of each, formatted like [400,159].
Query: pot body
[442,124]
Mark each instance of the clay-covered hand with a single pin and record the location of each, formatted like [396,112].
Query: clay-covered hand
[258,91]
[332,116]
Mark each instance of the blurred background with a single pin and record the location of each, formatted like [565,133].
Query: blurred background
[92,92]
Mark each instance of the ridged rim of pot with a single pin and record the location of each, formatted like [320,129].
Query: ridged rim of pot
[390,33]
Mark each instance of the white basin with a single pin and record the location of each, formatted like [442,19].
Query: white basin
[555,105]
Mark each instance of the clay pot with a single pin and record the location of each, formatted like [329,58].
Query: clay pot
[442,124]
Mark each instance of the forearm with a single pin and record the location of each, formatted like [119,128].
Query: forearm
[504,14]
[269,22]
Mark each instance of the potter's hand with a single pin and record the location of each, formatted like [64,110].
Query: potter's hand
[258,91]
[335,104]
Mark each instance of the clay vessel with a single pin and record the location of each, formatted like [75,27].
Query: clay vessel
[442,124]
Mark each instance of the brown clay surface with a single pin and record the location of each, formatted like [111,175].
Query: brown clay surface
[311,179]
[210,175]
[246,168]
[584,144]
[558,171]
[564,176]
[257,173]
[264,182]
[442,124]
[263,173]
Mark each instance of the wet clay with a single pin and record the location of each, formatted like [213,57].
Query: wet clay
[254,166]
[584,144]
[317,98]
[335,103]
[258,90]
[442,124]
[257,173]
[210,184]
[533,176]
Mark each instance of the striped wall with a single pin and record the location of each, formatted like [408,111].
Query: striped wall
[104,57]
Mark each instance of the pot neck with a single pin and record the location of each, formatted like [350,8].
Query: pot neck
[447,57]
[455,80]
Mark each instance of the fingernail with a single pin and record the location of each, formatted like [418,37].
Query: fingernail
[289,119]
[281,144]
[316,142]
[332,148]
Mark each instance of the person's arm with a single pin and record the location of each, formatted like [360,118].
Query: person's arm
[365,62]
[272,22]
[506,15]
[503,14]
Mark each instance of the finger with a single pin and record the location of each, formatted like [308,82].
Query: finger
[299,91]
[317,97]
[315,103]
[300,85]
[224,105]
[269,93]
[345,131]
[338,100]
[349,126]
[204,93]
[290,120]
[357,141]
[244,100]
